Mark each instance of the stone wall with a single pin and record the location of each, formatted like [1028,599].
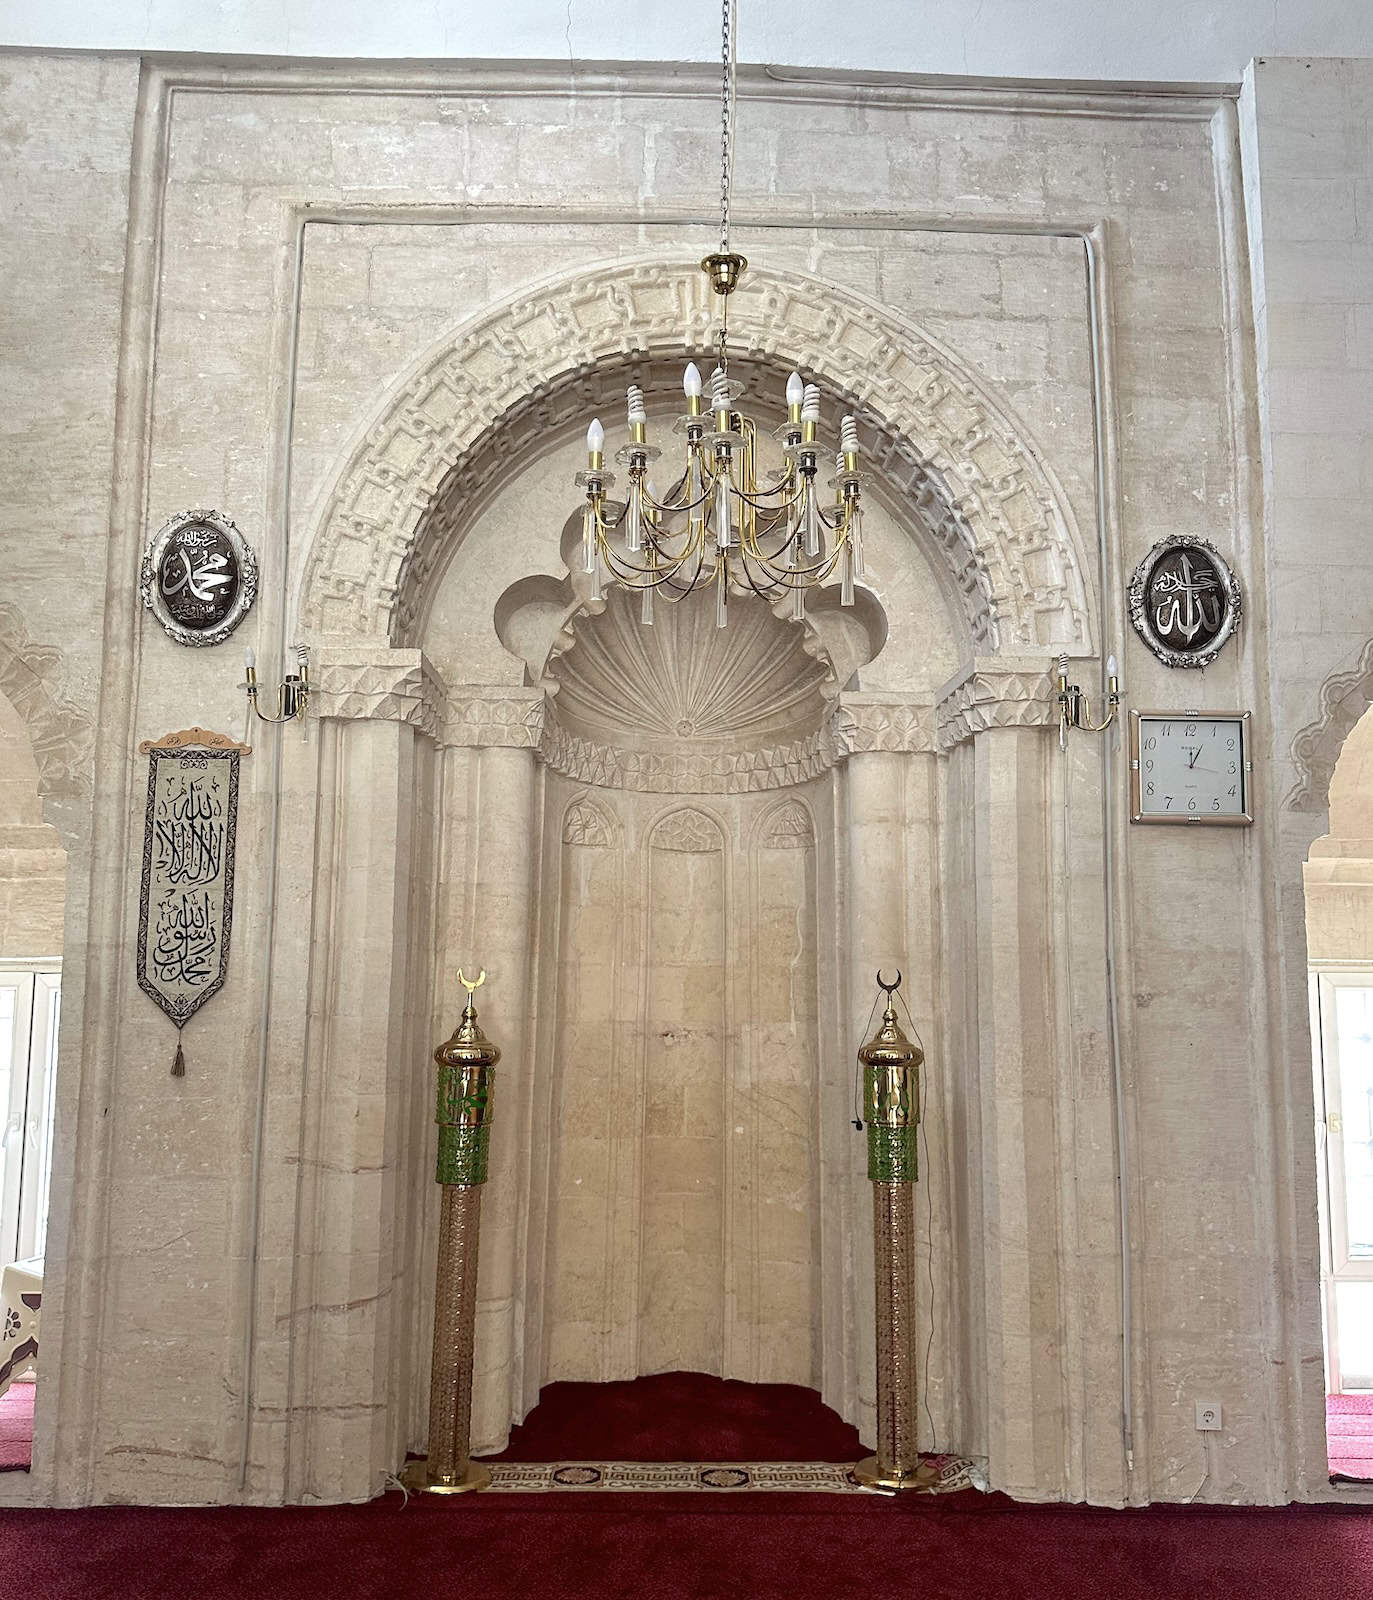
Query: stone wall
[1039,302]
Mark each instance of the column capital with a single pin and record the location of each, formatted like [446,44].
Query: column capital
[377,683]
[478,716]
[888,722]
[996,692]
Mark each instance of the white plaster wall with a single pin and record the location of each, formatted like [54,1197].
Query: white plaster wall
[1172,41]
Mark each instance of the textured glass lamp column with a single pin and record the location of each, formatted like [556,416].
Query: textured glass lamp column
[891,1099]
[466,1079]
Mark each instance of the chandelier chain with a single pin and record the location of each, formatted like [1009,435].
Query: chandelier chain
[726,114]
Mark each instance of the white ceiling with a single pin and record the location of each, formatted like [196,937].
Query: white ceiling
[1152,40]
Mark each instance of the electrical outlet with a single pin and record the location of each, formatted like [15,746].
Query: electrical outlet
[1209,1415]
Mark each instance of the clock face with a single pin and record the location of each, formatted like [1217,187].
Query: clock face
[1190,766]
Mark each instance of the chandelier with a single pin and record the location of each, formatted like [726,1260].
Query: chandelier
[718,526]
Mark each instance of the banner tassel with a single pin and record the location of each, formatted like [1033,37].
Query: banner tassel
[179,1064]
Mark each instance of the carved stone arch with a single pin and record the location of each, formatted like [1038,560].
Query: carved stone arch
[529,367]
[1345,696]
[61,735]
[687,828]
[789,825]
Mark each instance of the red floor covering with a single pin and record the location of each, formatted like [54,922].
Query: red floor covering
[16,1427]
[604,1546]
[682,1416]
[1349,1430]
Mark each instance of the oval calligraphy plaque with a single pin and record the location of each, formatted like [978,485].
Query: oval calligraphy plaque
[1184,601]
[199,577]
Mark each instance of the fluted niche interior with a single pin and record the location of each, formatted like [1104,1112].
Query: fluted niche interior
[684,1049]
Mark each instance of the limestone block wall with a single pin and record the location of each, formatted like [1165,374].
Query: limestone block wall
[306,297]
[1306,138]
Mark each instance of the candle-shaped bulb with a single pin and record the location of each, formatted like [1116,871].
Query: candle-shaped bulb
[719,390]
[249,659]
[595,437]
[691,381]
[637,411]
[796,390]
[1110,666]
[810,404]
[848,435]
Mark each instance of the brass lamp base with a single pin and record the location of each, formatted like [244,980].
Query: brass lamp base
[870,1474]
[416,1478]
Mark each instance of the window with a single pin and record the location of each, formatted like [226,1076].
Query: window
[30,998]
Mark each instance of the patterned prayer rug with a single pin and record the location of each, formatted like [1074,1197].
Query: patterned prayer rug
[694,1477]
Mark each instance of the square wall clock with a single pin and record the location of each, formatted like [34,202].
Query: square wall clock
[1190,767]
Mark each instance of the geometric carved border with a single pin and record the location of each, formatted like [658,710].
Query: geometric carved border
[1345,696]
[994,693]
[935,434]
[60,733]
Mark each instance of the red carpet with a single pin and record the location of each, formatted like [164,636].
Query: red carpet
[16,1427]
[606,1546]
[1349,1430]
[682,1416]
[654,1547]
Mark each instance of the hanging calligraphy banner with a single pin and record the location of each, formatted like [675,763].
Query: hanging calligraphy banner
[186,902]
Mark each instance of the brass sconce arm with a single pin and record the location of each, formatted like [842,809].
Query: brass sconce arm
[1075,709]
[293,693]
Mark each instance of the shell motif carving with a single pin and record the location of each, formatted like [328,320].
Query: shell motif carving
[683,681]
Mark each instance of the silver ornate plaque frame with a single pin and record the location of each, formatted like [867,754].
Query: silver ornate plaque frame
[150,589]
[1226,592]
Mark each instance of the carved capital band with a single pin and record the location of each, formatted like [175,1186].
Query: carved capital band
[380,686]
[483,717]
[996,694]
[865,722]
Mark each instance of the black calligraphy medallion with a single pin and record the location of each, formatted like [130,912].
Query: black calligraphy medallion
[199,577]
[1184,601]
[186,898]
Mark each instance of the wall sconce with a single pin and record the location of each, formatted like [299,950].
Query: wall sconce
[293,693]
[1075,709]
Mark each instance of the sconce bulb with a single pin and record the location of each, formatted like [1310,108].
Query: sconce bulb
[249,659]
[810,404]
[796,390]
[691,381]
[1110,666]
[595,436]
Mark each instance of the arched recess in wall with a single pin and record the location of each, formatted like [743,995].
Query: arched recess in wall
[44,752]
[936,435]
[430,500]
[1338,883]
